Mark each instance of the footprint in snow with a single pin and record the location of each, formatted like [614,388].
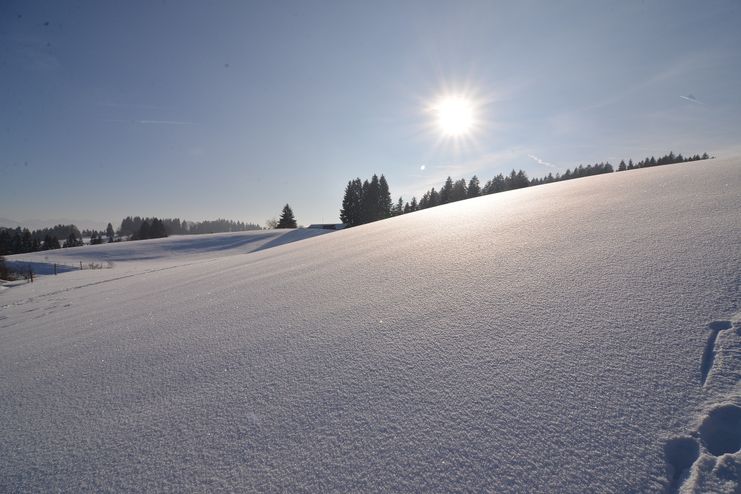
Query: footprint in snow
[720,432]
[680,453]
[708,355]
[700,455]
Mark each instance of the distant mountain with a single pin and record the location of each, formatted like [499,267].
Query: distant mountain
[34,224]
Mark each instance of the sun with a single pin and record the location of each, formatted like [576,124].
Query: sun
[455,115]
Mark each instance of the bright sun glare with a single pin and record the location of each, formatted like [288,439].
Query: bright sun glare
[455,116]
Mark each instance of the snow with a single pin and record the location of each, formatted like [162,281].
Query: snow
[158,253]
[550,339]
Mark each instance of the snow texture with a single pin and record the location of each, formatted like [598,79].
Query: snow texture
[582,336]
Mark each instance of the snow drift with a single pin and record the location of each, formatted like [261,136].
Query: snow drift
[579,336]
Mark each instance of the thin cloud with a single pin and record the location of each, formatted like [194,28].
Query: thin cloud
[542,162]
[691,98]
[165,122]
[130,105]
[151,122]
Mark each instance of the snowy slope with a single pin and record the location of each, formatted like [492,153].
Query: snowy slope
[172,249]
[576,337]
[156,254]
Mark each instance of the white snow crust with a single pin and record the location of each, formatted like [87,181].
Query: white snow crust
[582,336]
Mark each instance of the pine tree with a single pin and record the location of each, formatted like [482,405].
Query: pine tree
[71,241]
[459,191]
[622,166]
[399,208]
[143,231]
[286,218]
[384,199]
[110,233]
[518,180]
[157,229]
[47,242]
[351,212]
[474,189]
[434,198]
[447,191]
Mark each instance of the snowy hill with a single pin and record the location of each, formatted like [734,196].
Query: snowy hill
[582,336]
[157,253]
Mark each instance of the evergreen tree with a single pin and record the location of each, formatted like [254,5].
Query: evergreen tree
[622,166]
[26,241]
[143,231]
[47,243]
[459,191]
[434,198]
[446,191]
[157,229]
[5,240]
[384,199]
[398,209]
[371,200]
[518,180]
[413,205]
[72,241]
[110,233]
[351,212]
[286,218]
[474,189]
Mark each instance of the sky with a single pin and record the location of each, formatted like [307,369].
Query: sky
[201,110]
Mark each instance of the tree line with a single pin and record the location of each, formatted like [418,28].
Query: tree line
[131,226]
[667,159]
[22,240]
[368,201]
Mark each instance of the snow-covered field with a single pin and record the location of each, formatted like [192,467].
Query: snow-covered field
[582,336]
[158,253]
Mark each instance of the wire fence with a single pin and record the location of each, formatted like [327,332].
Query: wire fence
[28,269]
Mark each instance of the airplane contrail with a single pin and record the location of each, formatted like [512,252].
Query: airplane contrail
[542,162]
[691,98]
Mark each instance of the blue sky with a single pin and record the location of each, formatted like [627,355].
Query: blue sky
[231,109]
